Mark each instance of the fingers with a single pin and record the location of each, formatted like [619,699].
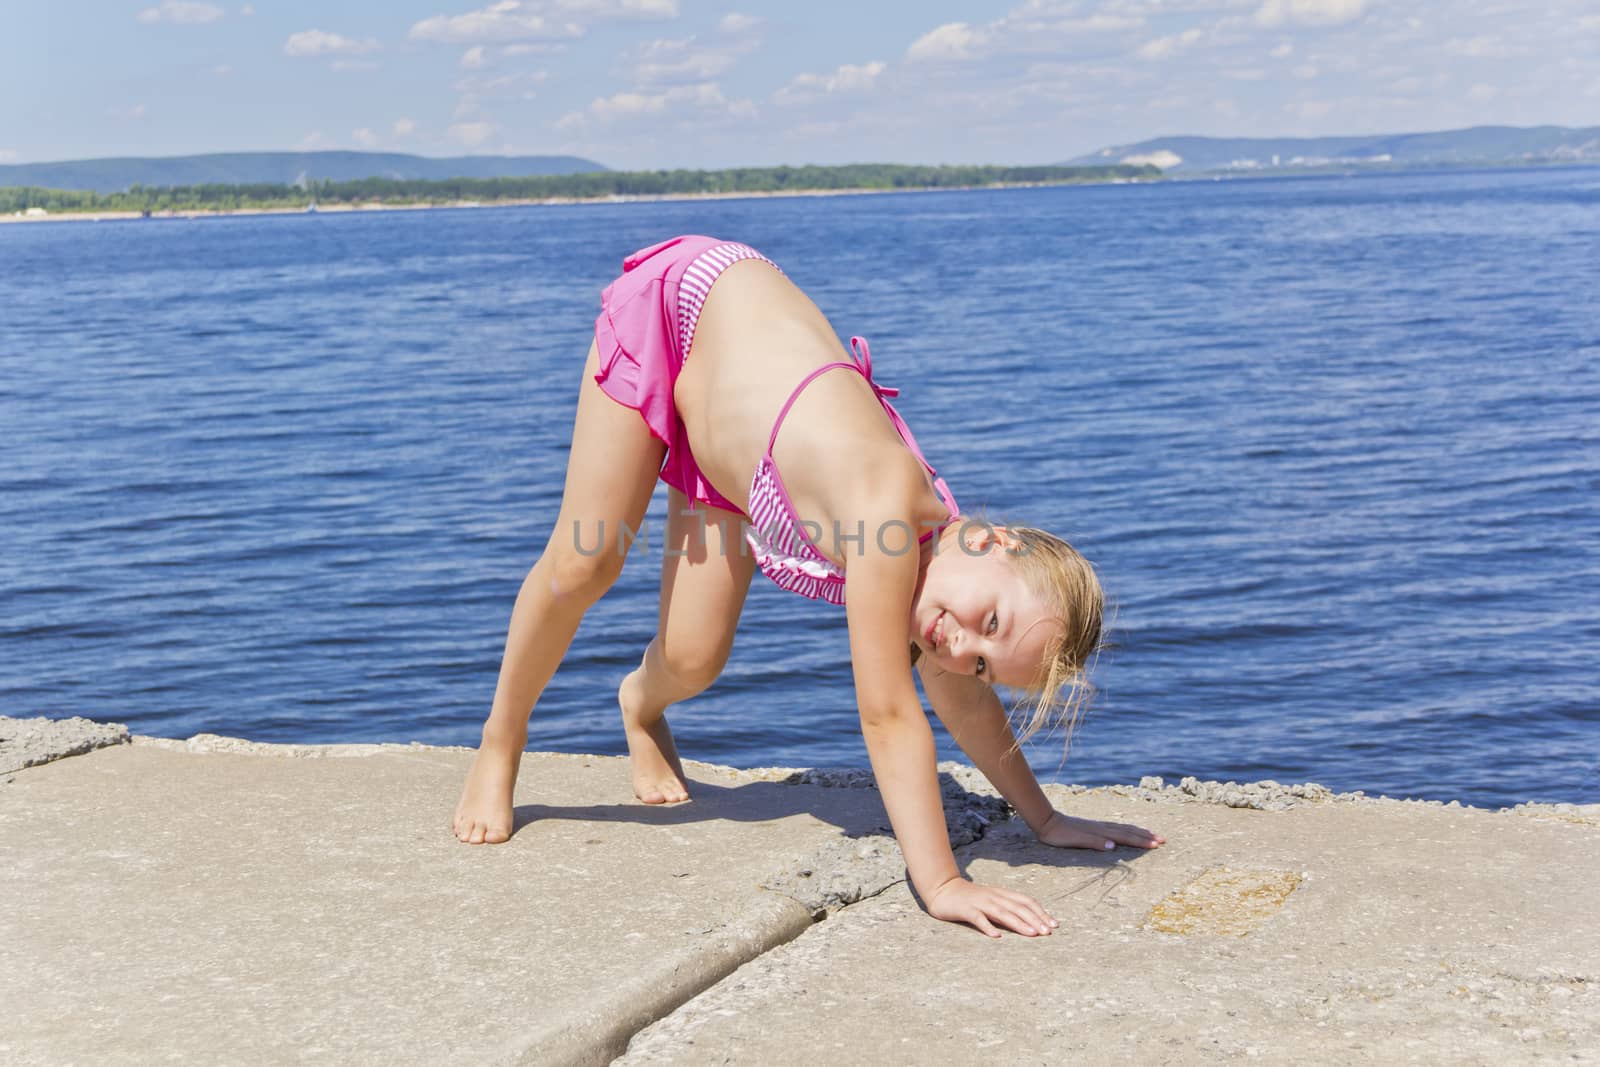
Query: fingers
[990,909]
[1067,832]
[1015,912]
[1136,836]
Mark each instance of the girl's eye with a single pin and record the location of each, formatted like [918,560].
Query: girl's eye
[994,622]
[981,666]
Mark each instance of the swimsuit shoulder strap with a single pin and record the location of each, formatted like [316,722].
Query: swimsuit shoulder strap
[783,412]
[861,363]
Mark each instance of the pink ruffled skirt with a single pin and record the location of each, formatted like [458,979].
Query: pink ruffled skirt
[639,337]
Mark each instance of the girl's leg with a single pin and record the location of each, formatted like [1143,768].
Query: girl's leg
[705,573]
[611,471]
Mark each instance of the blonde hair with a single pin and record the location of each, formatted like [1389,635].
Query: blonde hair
[1059,574]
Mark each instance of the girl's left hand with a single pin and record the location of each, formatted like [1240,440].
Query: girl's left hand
[1063,831]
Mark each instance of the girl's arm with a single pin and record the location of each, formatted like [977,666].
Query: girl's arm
[971,710]
[879,586]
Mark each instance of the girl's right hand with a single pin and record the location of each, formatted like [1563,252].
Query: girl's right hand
[985,907]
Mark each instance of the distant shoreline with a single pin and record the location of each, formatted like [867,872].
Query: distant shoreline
[549,201]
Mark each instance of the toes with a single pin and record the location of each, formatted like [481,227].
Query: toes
[668,792]
[496,836]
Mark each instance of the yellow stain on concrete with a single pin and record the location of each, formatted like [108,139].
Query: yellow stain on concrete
[1223,902]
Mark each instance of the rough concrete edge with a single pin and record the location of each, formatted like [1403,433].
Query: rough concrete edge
[1264,795]
[846,869]
[36,741]
[1268,795]
[209,744]
[604,1033]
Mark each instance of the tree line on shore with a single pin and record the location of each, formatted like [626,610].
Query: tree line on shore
[591,186]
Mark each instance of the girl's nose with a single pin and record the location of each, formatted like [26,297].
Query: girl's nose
[957,643]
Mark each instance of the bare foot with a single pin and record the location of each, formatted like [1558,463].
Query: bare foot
[483,814]
[657,774]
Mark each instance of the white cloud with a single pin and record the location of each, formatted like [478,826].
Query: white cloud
[1102,23]
[403,127]
[647,9]
[471,134]
[846,79]
[521,20]
[472,58]
[705,98]
[1589,22]
[1310,12]
[318,43]
[7,155]
[1038,27]
[953,40]
[1162,47]
[182,12]
[364,137]
[683,62]
[222,71]
[503,21]
[312,141]
[519,85]
[1283,51]
[626,104]
[247,10]
[734,22]
[1482,93]
[1306,71]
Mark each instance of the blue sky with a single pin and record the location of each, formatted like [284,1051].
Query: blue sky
[670,83]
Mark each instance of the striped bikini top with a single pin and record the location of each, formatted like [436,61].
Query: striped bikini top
[784,545]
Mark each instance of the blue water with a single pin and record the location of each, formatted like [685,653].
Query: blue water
[1333,443]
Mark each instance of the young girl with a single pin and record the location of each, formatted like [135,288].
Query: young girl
[711,371]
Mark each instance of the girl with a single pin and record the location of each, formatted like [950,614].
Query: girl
[729,369]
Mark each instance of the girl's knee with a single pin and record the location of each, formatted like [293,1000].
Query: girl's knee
[586,574]
[693,664]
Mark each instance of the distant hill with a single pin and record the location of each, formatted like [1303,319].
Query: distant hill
[1480,145]
[279,168]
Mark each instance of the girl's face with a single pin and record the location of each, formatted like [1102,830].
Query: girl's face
[975,615]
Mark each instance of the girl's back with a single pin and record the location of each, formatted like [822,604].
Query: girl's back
[758,337]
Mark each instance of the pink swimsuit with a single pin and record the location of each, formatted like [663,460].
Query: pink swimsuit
[644,333]
[784,549]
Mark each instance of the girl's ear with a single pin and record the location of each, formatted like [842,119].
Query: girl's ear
[978,536]
[985,537]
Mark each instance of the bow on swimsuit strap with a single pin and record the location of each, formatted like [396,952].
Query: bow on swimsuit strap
[863,357]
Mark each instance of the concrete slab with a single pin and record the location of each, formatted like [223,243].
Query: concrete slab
[218,901]
[1334,930]
[34,742]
